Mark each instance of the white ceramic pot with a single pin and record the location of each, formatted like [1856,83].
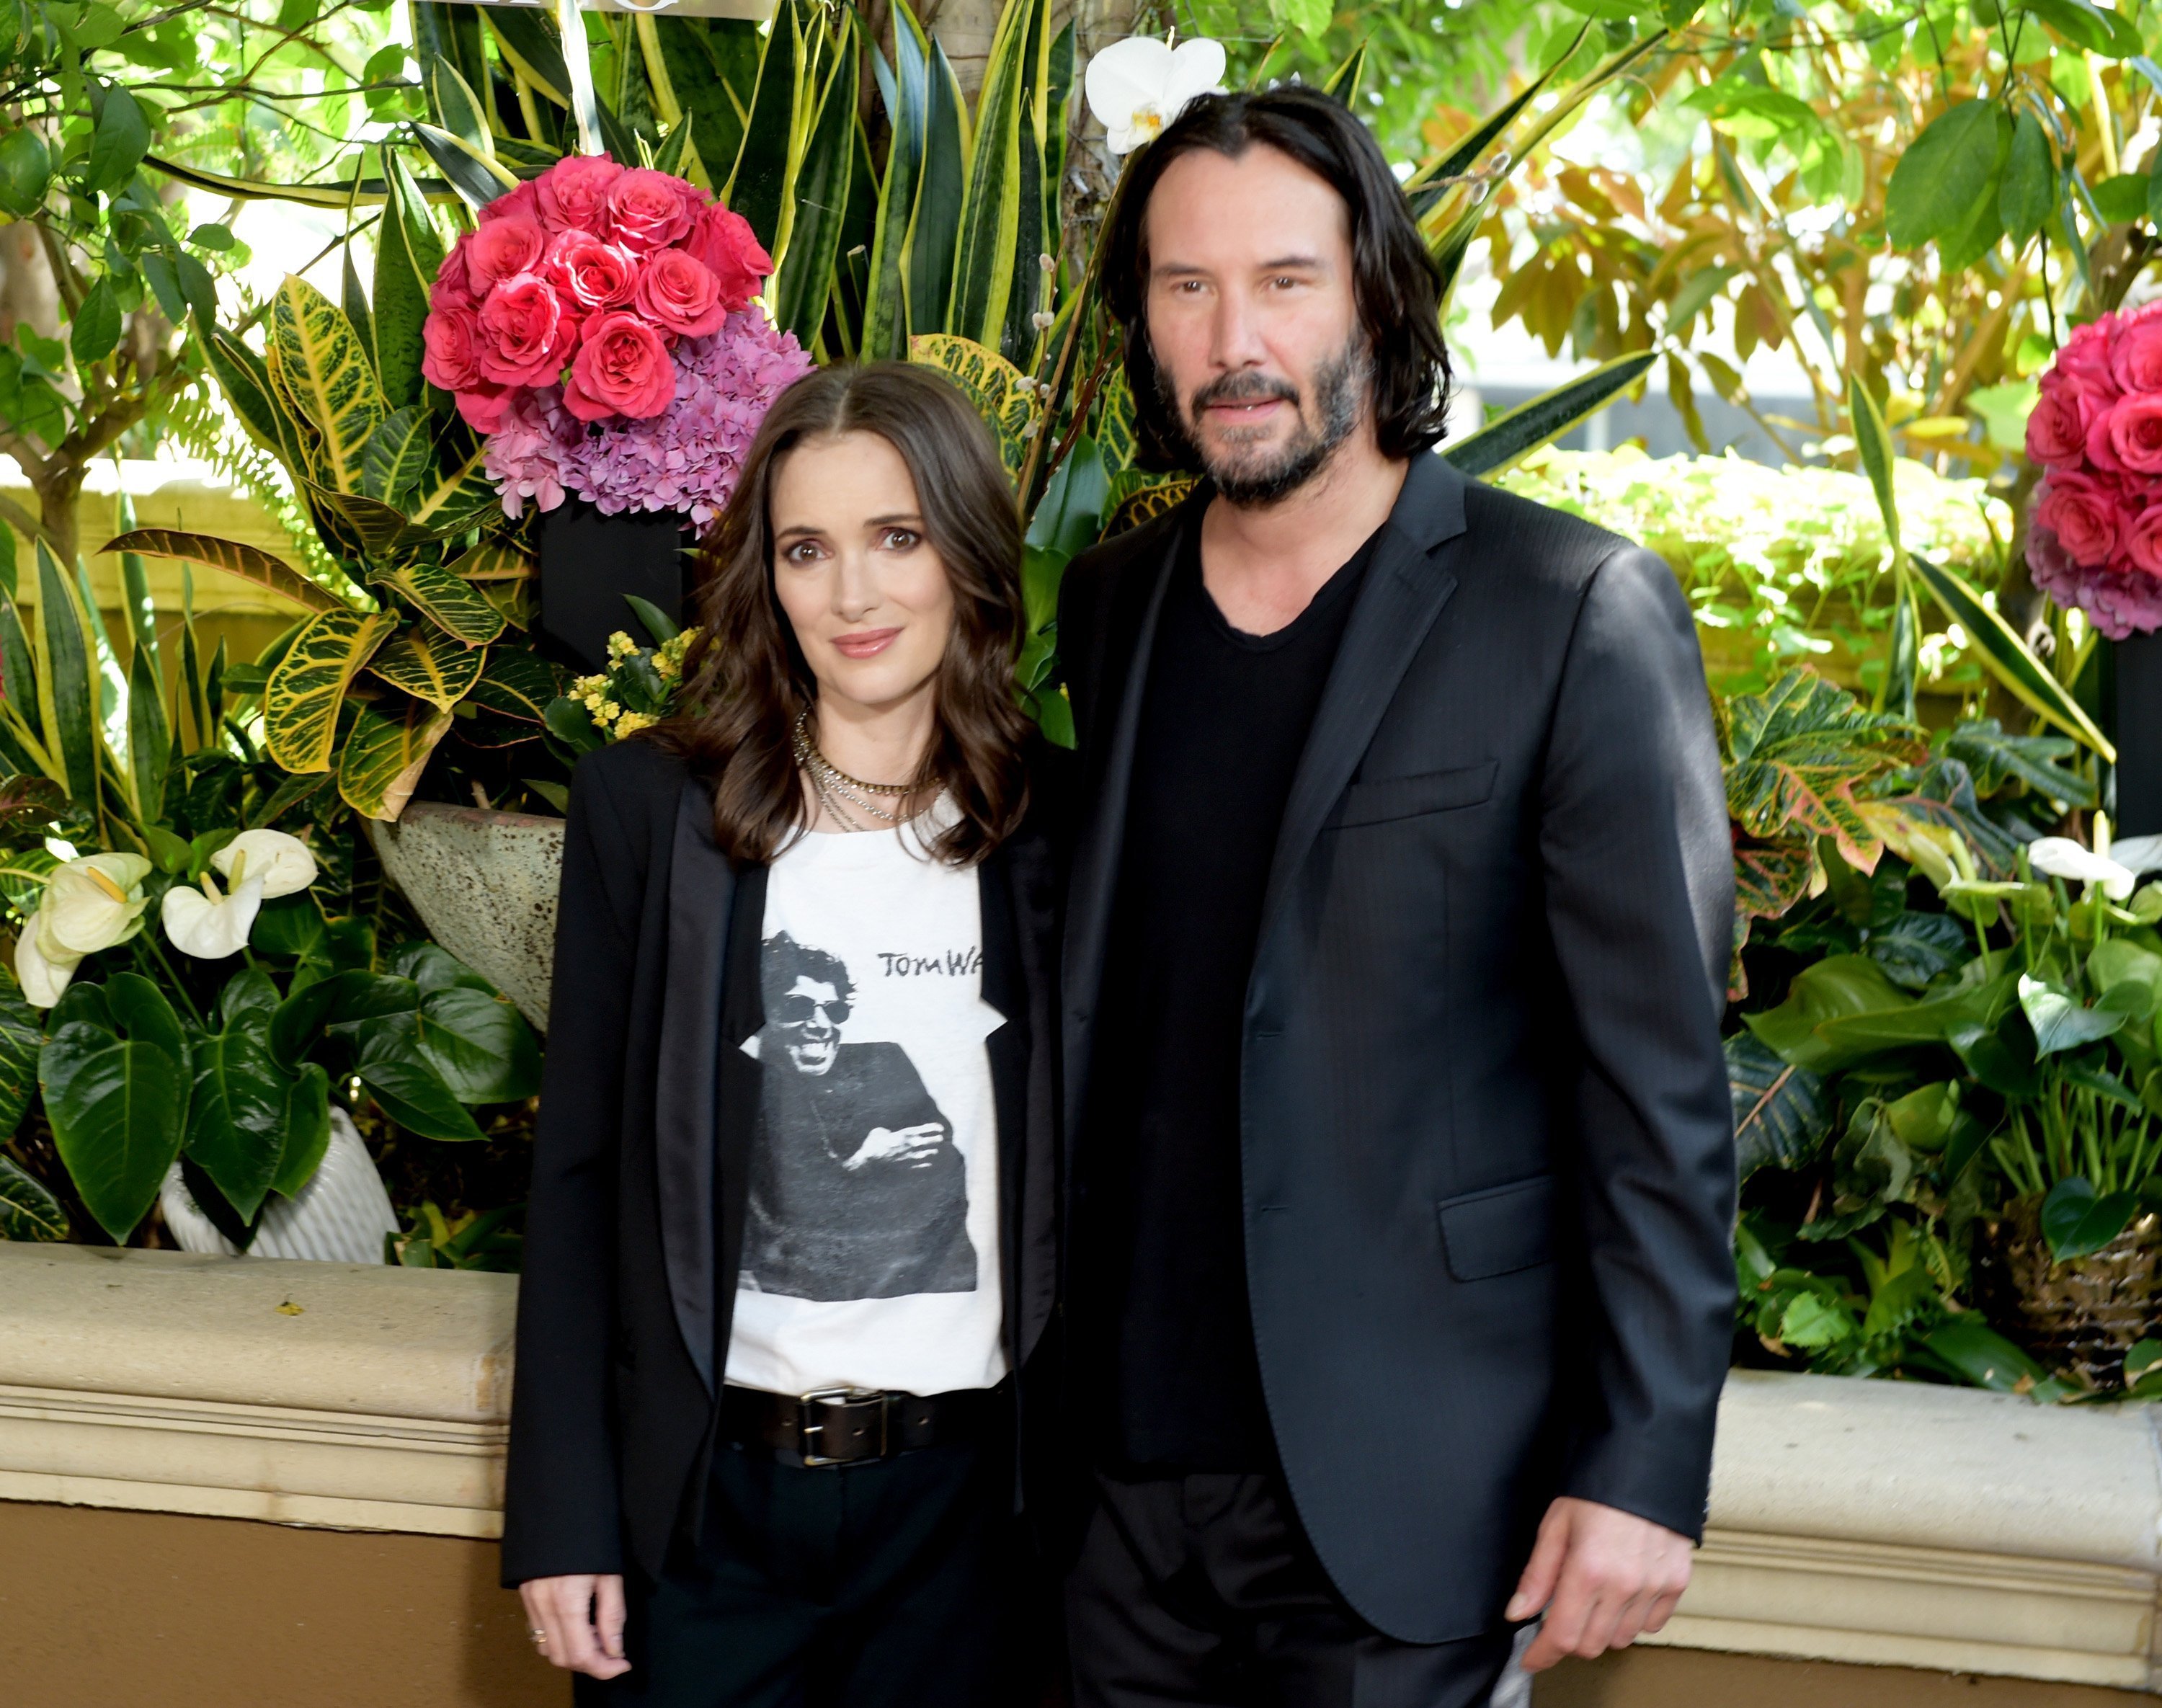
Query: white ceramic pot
[484,884]
[340,1216]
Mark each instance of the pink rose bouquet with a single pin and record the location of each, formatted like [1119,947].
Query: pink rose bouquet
[2094,535]
[597,327]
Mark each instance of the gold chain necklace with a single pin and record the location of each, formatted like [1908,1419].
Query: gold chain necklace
[828,781]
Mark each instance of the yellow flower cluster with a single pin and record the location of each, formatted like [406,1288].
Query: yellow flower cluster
[596,693]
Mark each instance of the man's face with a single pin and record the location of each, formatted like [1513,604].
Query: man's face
[1252,319]
[809,1019]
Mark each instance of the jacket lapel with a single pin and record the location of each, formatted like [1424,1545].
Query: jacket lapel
[700,888]
[1401,595]
[1092,884]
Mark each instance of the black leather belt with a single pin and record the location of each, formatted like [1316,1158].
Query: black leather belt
[853,1426]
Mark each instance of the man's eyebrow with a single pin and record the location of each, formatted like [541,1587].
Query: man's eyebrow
[1290,261]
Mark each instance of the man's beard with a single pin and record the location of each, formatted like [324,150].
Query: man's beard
[1341,385]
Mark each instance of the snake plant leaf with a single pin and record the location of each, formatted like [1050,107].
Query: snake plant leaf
[429,665]
[397,455]
[477,178]
[66,680]
[675,150]
[1503,443]
[250,563]
[455,607]
[1002,213]
[934,221]
[301,701]
[581,97]
[992,385]
[517,683]
[453,33]
[758,182]
[885,311]
[22,1032]
[384,756]
[327,375]
[533,50]
[2008,658]
[1873,442]
[1349,78]
[236,1129]
[28,1211]
[454,106]
[149,736]
[804,274]
[408,252]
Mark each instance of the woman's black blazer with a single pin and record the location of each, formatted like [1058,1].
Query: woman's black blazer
[634,1229]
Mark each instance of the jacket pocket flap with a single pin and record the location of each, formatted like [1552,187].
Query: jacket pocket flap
[1407,798]
[1500,1230]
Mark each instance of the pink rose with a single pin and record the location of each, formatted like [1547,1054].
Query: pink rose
[574,192]
[485,406]
[2057,429]
[503,247]
[2135,432]
[649,210]
[452,336]
[2140,541]
[522,203]
[526,333]
[592,273]
[677,293]
[2135,354]
[2083,513]
[724,243]
[2084,359]
[621,368]
[452,288]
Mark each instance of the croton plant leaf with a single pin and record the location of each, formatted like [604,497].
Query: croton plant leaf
[429,665]
[302,700]
[250,563]
[385,753]
[994,385]
[326,373]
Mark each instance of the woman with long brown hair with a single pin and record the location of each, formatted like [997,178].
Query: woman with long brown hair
[790,1246]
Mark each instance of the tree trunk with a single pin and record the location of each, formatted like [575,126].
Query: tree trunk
[56,501]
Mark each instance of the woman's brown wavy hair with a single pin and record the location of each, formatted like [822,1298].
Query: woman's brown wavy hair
[746,678]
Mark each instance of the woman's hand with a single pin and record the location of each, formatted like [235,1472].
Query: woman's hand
[580,1621]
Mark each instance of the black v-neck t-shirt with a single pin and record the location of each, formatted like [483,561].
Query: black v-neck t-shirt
[1165,1331]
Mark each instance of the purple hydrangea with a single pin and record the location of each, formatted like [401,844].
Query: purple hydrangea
[2118,601]
[685,459]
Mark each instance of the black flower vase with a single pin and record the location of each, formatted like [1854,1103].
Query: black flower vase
[590,562]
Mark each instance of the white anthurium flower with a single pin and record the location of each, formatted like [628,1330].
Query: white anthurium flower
[1138,85]
[2060,857]
[283,862]
[92,903]
[2137,854]
[42,979]
[209,926]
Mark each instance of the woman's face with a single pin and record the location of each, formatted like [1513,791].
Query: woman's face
[865,591]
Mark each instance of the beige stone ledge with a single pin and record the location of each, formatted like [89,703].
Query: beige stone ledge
[1884,1523]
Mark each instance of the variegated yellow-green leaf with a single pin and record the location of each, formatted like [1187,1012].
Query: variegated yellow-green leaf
[385,754]
[2008,657]
[397,454]
[997,209]
[298,441]
[328,376]
[992,385]
[494,560]
[517,683]
[301,702]
[383,533]
[429,666]
[1143,504]
[67,680]
[453,606]
[449,498]
[257,567]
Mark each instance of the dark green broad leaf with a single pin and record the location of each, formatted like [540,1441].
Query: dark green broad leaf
[28,1211]
[2123,199]
[248,1001]
[1948,177]
[236,1130]
[2078,1221]
[26,168]
[1509,438]
[117,1103]
[22,1033]
[307,1125]
[2109,33]
[117,143]
[1969,1349]
[1782,1114]
[1916,948]
[289,925]
[2029,194]
[2062,1021]
[96,331]
[432,967]
[410,1091]
[1835,988]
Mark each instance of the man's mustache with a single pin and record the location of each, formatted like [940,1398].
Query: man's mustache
[1243,388]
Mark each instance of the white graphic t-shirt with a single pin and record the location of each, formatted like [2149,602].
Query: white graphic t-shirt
[870,1247]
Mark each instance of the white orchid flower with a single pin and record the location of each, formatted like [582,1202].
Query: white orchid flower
[91,903]
[1138,85]
[2060,857]
[283,862]
[209,926]
[42,979]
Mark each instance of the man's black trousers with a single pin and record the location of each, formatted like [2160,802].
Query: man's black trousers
[897,1584]
[1204,1591]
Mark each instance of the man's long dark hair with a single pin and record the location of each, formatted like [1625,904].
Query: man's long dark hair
[1395,280]
[746,679]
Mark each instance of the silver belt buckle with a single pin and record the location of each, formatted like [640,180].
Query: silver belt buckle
[805,1430]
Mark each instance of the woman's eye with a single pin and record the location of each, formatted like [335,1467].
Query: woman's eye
[803,551]
[900,539]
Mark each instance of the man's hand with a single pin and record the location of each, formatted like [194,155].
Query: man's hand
[915,1146]
[1604,1578]
[581,1618]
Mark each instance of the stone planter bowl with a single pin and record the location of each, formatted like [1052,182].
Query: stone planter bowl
[484,884]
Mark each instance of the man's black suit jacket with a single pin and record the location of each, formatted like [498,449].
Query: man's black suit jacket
[635,1227]
[1486,1147]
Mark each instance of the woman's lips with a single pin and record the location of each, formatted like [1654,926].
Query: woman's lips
[867,644]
